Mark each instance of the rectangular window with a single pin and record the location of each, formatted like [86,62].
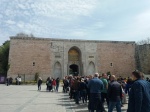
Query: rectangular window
[111,64]
[33,63]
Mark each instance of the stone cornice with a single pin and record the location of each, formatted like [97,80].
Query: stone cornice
[69,40]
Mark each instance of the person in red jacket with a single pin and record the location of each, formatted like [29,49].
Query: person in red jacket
[54,85]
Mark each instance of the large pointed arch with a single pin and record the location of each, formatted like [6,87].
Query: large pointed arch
[74,61]
[74,54]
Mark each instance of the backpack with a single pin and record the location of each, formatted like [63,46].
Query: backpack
[49,83]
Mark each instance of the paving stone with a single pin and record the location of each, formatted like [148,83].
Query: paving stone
[26,98]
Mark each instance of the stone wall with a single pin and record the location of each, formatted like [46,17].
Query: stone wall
[49,57]
[117,58]
[29,57]
[143,58]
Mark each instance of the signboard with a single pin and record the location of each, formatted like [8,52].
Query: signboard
[2,79]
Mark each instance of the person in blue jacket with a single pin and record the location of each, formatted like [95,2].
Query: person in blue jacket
[95,87]
[139,95]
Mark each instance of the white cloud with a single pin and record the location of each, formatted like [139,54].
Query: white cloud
[28,16]
[140,26]
[21,6]
[10,22]
[64,8]
[143,20]
[92,19]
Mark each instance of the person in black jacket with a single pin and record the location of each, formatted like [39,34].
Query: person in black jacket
[50,84]
[66,84]
[83,90]
[7,81]
[47,81]
[114,94]
[39,83]
[57,84]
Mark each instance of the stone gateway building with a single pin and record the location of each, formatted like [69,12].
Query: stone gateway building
[60,57]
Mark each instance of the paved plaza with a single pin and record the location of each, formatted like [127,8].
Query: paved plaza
[26,98]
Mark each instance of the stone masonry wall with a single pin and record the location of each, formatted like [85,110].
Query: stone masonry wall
[117,58]
[143,58]
[38,55]
[29,57]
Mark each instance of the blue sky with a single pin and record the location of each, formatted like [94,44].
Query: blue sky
[119,20]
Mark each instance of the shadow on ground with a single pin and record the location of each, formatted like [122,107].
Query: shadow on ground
[71,106]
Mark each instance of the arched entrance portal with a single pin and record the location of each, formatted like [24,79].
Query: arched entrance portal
[74,69]
[74,61]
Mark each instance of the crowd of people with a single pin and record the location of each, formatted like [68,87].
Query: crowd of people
[52,84]
[96,89]
[9,80]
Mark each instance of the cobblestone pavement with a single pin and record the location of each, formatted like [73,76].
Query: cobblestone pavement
[26,98]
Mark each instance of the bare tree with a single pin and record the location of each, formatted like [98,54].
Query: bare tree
[142,42]
[31,35]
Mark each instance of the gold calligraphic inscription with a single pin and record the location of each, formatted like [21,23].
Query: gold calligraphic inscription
[73,55]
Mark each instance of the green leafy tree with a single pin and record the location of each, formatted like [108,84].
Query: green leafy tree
[4,55]
[109,73]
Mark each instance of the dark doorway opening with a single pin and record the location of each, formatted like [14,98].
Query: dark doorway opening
[74,70]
